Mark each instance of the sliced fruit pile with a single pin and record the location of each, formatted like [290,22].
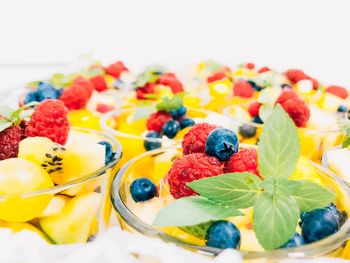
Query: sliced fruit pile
[38,150]
[225,196]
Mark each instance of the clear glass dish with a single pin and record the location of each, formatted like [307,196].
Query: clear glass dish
[74,212]
[313,141]
[335,245]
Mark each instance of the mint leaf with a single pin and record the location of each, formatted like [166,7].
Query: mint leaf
[235,189]
[170,104]
[280,186]
[345,125]
[279,146]
[275,219]
[310,196]
[193,210]
[265,111]
[6,111]
[199,231]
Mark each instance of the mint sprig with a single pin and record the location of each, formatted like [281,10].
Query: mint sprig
[150,75]
[345,125]
[10,116]
[277,201]
[171,104]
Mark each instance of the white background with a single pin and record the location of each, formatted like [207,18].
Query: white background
[308,34]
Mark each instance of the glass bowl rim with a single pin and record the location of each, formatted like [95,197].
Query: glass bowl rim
[105,117]
[58,188]
[225,112]
[331,242]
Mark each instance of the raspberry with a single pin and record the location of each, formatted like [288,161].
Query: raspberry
[85,84]
[103,108]
[263,69]
[194,140]
[295,75]
[253,108]
[9,140]
[338,91]
[286,95]
[189,168]
[243,89]
[156,120]
[75,97]
[246,160]
[297,110]
[49,120]
[170,80]
[115,69]
[143,91]
[250,66]
[216,76]
[99,83]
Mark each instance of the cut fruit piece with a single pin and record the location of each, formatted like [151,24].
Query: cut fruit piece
[84,119]
[17,177]
[338,161]
[305,171]
[74,223]
[55,206]
[18,227]
[249,241]
[330,102]
[81,156]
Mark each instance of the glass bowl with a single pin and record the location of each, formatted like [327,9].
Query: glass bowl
[132,135]
[146,165]
[313,141]
[74,212]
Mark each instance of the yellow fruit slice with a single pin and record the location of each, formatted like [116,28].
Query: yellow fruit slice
[55,206]
[220,88]
[249,241]
[75,222]
[84,119]
[305,171]
[19,176]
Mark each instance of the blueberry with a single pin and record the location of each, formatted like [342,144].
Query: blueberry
[221,143]
[247,131]
[254,85]
[285,86]
[174,114]
[151,145]
[342,215]
[257,120]
[181,111]
[319,224]
[342,108]
[187,123]
[171,128]
[223,234]
[296,241]
[142,189]
[109,156]
[47,91]
[30,97]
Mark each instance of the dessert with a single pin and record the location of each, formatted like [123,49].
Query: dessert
[53,176]
[267,200]
[87,94]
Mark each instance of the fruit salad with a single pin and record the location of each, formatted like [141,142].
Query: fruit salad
[151,125]
[87,94]
[211,193]
[53,176]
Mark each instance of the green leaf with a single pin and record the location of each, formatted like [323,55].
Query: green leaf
[57,79]
[5,125]
[346,142]
[170,104]
[150,75]
[265,111]
[310,196]
[6,111]
[279,146]
[345,125]
[197,230]
[235,189]
[193,210]
[275,219]
[280,186]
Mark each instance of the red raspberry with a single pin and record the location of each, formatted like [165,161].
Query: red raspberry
[103,108]
[115,69]
[143,91]
[243,89]
[341,92]
[297,110]
[216,76]
[263,69]
[49,120]
[156,120]
[194,140]
[189,168]
[295,75]
[253,108]
[250,66]
[286,95]
[75,97]
[85,84]
[246,160]
[170,80]
[9,140]
[99,83]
